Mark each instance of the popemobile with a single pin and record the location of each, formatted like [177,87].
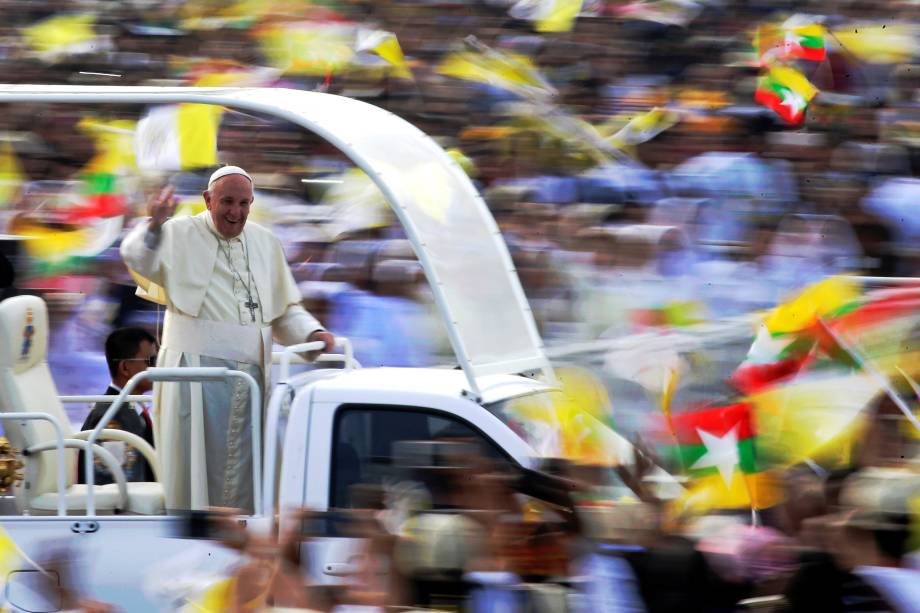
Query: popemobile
[323,428]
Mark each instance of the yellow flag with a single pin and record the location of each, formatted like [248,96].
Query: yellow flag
[667,395]
[644,127]
[306,48]
[48,243]
[758,490]
[218,598]
[815,301]
[817,417]
[891,43]
[114,142]
[908,428]
[385,45]
[197,125]
[9,555]
[794,80]
[560,17]
[500,69]
[60,34]
[178,137]
[11,174]
[578,418]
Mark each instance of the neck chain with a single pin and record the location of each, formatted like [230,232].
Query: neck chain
[250,303]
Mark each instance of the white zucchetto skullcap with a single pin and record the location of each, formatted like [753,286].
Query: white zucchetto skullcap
[224,171]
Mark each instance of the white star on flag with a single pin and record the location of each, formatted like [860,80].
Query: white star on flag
[721,452]
[793,39]
[794,101]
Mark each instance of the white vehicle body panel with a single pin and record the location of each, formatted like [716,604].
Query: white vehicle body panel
[131,561]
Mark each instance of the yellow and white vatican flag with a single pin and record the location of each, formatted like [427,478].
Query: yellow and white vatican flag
[548,15]
[385,45]
[178,137]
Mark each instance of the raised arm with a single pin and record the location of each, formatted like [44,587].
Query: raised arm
[141,247]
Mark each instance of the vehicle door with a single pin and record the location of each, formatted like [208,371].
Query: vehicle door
[352,444]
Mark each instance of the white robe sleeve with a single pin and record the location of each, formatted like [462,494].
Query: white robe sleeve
[294,326]
[140,250]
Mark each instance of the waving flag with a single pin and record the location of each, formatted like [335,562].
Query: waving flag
[794,39]
[10,556]
[834,350]
[385,45]
[573,424]
[644,127]
[717,448]
[57,36]
[308,48]
[178,137]
[103,176]
[11,174]
[215,598]
[806,42]
[815,416]
[789,334]
[787,92]
[548,15]
[891,43]
[503,69]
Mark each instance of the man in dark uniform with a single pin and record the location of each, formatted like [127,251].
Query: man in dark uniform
[128,351]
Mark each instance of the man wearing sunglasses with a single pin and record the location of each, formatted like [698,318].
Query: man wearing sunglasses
[128,351]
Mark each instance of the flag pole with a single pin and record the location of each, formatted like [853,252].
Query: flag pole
[666,397]
[866,365]
[755,516]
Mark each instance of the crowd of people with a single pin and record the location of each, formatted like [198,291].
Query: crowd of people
[716,213]
[470,535]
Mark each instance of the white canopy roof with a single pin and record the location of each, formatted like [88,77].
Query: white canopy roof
[452,231]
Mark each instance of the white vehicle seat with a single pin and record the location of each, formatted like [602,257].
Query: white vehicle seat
[26,385]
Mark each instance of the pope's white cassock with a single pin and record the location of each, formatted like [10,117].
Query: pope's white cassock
[202,430]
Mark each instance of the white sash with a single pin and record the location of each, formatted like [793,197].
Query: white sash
[234,342]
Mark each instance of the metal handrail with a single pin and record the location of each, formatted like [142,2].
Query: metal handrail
[273,416]
[289,353]
[103,398]
[59,431]
[192,375]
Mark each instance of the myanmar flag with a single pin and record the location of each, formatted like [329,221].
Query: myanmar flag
[806,42]
[790,335]
[884,328]
[786,91]
[102,197]
[716,441]
[716,448]
[790,41]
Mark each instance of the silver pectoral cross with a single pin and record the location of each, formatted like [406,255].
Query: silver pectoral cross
[252,306]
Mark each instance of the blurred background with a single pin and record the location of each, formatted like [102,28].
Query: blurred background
[710,205]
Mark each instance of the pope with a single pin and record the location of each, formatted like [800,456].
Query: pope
[228,292]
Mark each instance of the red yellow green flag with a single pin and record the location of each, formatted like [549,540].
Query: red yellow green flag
[787,92]
[713,441]
[790,334]
[717,449]
[805,42]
